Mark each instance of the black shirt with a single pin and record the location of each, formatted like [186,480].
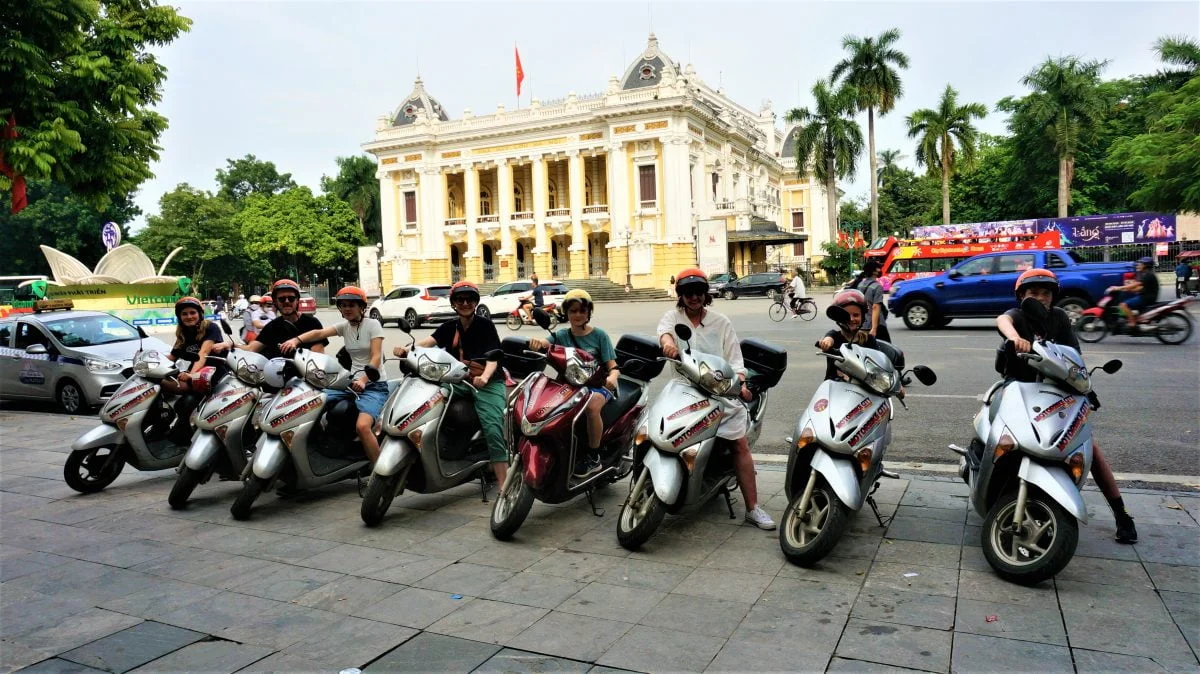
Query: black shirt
[831,371]
[279,330]
[1149,291]
[473,342]
[537,296]
[212,334]
[1058,330]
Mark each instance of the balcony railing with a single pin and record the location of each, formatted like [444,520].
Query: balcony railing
[522,215]
[649,205]
[452,222]
[597,209]
[558,213]
[489,218]
[726,205]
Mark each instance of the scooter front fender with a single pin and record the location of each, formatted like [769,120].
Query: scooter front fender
[1056,484]
[665,473]
[100,436]
[394,455]
[269,458]
[840,475]
[200,453]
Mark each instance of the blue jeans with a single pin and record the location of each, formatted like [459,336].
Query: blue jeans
[370,401]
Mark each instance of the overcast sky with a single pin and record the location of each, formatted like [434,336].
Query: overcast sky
[300,83]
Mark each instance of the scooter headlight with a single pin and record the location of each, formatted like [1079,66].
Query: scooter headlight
[715,381]
[432,371]
[577,373]
[145,362]
[878,379]
[249,374]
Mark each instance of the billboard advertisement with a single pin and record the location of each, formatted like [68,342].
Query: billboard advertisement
[712,246]
[980,229]
[1110,230]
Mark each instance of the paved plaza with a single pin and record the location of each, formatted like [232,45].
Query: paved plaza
[117,581]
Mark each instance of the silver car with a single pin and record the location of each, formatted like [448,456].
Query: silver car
[76,358]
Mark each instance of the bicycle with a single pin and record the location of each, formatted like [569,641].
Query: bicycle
[779,309]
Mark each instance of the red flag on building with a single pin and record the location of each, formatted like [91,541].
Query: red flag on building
[520,70]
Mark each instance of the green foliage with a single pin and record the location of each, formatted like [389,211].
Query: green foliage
[1165,161]
[203,226]
[80,79]
[57,218]
[908,200]
[840,260]
[1180,51]
[357,185]
[249,175]
[888,166]
[829,138]
[947,139]
[299,232]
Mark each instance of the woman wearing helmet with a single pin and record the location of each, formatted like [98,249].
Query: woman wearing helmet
[195,338]
[850,332]
[252,319]
[471,339]
[1042,285]
[578,306]
[267,303]
[713,333]
[363,339]
[1146,287]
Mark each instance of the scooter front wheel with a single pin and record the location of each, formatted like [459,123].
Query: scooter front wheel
[806,538]
[184,485]
[512,503]
[1037,550]
[380,492]
[641,514]
[252,488]
[87,471]
[1091,329]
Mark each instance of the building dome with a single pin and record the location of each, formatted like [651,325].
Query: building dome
[788,149]
[418,100]
[646,70]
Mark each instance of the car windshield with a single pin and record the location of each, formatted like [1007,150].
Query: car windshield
[90,330]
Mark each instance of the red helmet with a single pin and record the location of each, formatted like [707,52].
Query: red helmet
[464,288]
[352,294]
[690,279]
[1036,278]
[188,302]
[266,299]
[850,296]
[285,284]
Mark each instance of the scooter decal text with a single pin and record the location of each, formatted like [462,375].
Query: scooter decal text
[420,411]
[134,402]
[697,428]
[1056,407]
[310,404]
[545,410]
[871,423]
[858,409]
[690,408]
[1077,424]
[245,398]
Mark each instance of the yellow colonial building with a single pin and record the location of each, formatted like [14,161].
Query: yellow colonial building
[659,172]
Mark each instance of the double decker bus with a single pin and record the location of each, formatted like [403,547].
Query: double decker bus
[904,259]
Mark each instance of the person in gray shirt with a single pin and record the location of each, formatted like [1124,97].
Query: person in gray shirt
[875,322]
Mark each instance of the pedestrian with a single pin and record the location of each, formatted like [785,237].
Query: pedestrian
[1182,273]
[671,287]
[875,320]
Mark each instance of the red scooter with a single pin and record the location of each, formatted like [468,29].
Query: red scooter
[547,424]
[515,320]
[1168,322]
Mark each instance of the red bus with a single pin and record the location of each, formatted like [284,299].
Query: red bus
[916,258]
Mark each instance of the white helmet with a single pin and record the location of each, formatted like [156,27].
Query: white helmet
[255,299]
[241,296]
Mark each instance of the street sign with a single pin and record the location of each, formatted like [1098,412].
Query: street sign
[110,234]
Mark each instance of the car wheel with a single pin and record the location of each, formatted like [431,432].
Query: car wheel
[1074,307]
[772,293]
[377,316]
[71,397]
[728,294]
[483,312]
[919,315]
[414,321]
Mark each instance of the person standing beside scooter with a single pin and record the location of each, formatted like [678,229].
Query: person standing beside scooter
[290,322]
[363,340]
[1042,285]
[713,333]
[875,320]
[578,306]
[470,339]
[1146,287]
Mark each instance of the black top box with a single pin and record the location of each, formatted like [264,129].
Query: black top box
[768,361]
[640,347]
[518,364]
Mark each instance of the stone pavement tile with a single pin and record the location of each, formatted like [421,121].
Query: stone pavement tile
[788,654]
[534,589]
[493,622]
[206,656]
[11,502]
[385,536]
[1108,631]
[509,556]
[25,610]
[84,580]
[458,543]
[202,567]
[854,546]
[926,498]
[1042,623]
[74,630]
[832,569]
[218,612]
[612,602]
[281,663]
[1097,662]
[736,554]
[1080,599]
[653,649]
[434,653]
[148,525]
[721,584]
[348,594]
[685,541]
[463,578]
[284,583]
[1106,572]
[509,661]
[409,571]
[956,515]
[290,549]
[1096,540]
[281,626]
[600,540]
[357,560]
[120,553]
[988,584]
[954,486]
[66,511]
[885,577]
[28,561]
[1157,508]
[413,607]
[59,666]
[235,540]
[132,647]
[14,656]
[1174,578]
[584,566]
[846,666]
[159,598]
[428,520]
[902,645]
[928,554]
[810,629]
[828,599]
[36,486]
[1191,505]
[973,653]
[647,574]
[927,530]
[710,617]
[907,608]
[571,636]
[349,642]
[1165,544]
[1185,611]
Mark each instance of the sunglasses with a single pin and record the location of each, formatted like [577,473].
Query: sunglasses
[465,300]
[693,292]
[286,299]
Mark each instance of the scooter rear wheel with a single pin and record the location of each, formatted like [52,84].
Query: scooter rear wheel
[380,492]
[185,484]
[87,471]
[1091,329]
[1043,546]
[806,539]
[252,488]
[512,505]
[641,514]
[514,322]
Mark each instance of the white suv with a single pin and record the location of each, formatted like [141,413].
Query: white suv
[504,300]
[414,304]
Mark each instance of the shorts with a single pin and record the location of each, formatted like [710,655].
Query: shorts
[608,395]
[370,401]
[1135,303]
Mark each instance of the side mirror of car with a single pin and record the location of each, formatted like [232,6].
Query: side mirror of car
[954,273]
[36,349]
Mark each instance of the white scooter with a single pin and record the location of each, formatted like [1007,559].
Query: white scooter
[1029,459]
[837,452]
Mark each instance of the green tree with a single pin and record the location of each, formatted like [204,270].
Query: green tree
[1165,161]
[78,82]
[1182,52]
[871,70]
[1066,106]
[357,185]
[249,175]
[59,218]
[203,226]
[888,165]
[829,140]
[905,201]
[300,233]
[947,139]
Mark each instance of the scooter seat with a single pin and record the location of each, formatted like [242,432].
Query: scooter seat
[627,396]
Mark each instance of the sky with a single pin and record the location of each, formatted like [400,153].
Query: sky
[301,83]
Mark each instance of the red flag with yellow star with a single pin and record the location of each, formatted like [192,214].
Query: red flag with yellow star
[520,70]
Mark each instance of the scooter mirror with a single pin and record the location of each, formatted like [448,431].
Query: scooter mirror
[684,332]
[1113,366]
[837,314]
[372,373]
[225,327]
[405,326]
[1034,309]
[542,318]
[925,375]
[141,332]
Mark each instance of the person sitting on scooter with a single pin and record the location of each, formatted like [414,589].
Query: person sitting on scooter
[532,301]
[851,332]
[713,333]
[1042,285]
[470,339]
[288,324]
[1146,287]
[578,306]
[363,340]
[195,337]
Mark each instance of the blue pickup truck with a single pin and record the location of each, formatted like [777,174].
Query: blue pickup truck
[982,286]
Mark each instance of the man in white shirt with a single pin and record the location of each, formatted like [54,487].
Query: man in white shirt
[798,290]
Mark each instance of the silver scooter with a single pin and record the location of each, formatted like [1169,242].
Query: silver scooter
[837,452]
[680,463]
[224,436]
[1030,458]
[433,440]
[297,446]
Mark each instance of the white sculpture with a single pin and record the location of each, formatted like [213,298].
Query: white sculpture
[124,264]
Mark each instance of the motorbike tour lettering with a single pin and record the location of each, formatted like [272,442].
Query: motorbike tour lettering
[310,404]
[245,398]
[1056,407]
[697,428]
[858,409]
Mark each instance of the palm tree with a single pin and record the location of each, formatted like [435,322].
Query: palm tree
[871,70]
[939,131]
[357,185]
[888,165]
[1066,104]
[829,140]
[1178,51]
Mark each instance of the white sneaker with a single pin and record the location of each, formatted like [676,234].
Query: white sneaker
[759,518]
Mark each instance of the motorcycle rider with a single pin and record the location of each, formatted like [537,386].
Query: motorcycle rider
[581,334]
[267,304]
[469,339]
[1042,285]
[532,300]
[240,306]
[851,332]
[713,333]
[363,339]
[1146,287]
[196,337]
[289,323]
[252,319]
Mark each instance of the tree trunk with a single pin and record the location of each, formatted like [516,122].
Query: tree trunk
[945,182]
[874,173]
[831,200]
[1064,185]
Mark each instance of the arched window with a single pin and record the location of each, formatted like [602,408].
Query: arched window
[485,202]
[518,199]
[551,195]
[452,203]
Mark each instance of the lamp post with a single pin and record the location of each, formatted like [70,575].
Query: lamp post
[379,265]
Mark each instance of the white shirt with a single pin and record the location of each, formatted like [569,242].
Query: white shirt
[714,335]
[798,286]
[358,341]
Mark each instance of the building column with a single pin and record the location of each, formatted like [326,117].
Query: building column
[619,213]
[507,255]
[473,260]
[541,250]
[579,247]
[677,190]
[389,217]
